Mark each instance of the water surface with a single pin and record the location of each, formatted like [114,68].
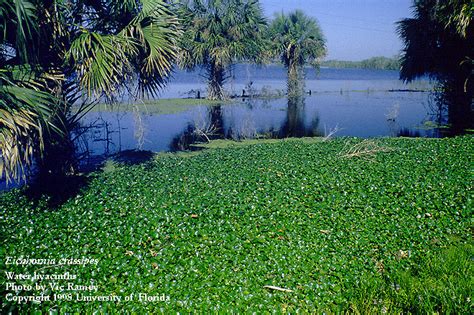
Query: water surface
[342,102]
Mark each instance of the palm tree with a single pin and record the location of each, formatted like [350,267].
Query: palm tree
[25,110]
[25,116]
[433,45]
[218,34]
[297,40]
[69,52]
[438,43]
[457,13]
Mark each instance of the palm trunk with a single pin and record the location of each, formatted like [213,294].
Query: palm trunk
[460,105]
[295,80]
[58,160]
[215,89]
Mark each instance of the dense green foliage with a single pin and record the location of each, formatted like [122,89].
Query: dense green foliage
[441,283]
[379,63]
[218,34]
[297,40]
[58,52]
[438,39]
[338,222]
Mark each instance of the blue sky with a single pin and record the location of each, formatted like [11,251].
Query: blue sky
[354,29]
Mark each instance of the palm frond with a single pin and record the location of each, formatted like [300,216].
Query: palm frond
[297,39]
[434,45]
[155,32]
[18,26]
[143,49]
[101,61]
[25,117]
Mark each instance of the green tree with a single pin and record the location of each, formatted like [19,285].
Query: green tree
[437,39]
[55,54]
[438,43]
[297,40]
[382,63]
[218,34]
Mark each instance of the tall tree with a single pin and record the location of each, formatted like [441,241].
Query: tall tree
[438,43]
[218,34]
[58,53]
[297,40]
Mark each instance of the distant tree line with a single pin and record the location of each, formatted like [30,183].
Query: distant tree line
[379,63]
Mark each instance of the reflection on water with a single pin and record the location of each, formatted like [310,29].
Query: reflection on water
[295,124]
[358,114]
[248,120]
[339,102]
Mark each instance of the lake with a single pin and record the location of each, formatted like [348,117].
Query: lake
[342,102]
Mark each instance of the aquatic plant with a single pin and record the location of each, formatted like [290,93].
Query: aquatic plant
[219,229]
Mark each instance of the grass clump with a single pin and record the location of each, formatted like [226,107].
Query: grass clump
[215,230]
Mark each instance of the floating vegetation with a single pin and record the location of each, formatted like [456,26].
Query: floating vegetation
[275,226]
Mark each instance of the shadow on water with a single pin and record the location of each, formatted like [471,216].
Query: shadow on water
[50,192]
[450,112]
[457,107]
[54,191]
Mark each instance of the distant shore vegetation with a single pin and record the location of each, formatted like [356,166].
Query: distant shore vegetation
[378,63]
